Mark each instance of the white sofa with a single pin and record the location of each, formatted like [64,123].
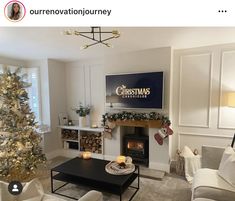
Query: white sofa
[33,191]
[207,184]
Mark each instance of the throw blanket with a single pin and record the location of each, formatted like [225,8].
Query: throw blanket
[192,164]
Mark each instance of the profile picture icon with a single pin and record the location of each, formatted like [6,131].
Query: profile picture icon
[14,11]
[15,187]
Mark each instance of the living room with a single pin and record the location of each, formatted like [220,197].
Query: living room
[197,64]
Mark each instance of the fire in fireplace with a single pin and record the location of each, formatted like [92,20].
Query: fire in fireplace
[136,146]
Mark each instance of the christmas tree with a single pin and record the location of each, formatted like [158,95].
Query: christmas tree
[20,153]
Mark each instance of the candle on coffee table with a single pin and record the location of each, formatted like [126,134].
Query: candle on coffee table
[86,155]
[121,159]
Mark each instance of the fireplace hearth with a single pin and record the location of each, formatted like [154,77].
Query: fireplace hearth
[137,146]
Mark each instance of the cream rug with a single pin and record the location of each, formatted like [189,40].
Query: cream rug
[170,188]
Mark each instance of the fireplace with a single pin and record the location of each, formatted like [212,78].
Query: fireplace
[137,146]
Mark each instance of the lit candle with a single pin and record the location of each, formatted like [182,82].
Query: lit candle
[94,126]
[86,155]
[121,159]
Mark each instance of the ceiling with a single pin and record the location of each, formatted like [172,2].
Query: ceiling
[44,42]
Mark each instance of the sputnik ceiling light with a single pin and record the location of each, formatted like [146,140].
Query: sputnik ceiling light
[96,35]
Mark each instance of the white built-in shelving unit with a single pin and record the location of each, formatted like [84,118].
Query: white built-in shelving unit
[73,142]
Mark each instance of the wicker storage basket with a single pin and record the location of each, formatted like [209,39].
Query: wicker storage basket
[180,166]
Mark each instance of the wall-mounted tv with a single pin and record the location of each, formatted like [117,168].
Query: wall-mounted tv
[135,90]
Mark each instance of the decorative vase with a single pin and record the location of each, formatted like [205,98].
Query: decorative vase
[88,121]
[82,121]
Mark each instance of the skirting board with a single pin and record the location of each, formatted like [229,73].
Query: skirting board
[53,154]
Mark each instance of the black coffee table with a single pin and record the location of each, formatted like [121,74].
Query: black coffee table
[92,173]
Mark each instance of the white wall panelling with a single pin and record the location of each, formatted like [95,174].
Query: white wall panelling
[209,73]
[227,84]
[97,91]
[87,85]
[196,140]
[195,90]
[75,84]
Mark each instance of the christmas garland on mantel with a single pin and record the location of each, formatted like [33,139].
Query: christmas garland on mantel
[133,116]
[151,120]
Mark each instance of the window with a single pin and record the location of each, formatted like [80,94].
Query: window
[33,91]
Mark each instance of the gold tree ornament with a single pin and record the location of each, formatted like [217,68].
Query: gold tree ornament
[2,154]
[20,146]
[28,145]
[20,153]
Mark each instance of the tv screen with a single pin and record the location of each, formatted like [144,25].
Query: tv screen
[137,90]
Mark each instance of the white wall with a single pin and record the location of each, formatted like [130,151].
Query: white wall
[56,74]
[53,100]
[85,82]
[201,78]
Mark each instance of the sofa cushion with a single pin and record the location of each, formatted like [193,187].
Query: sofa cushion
[227,153]
[92,195]
[203,199]
[227,166]
[186,152]
[89,196]
[208,184]
[48,197]
[213,193]
[35,198]
[211,156]
[32,191]
[4,194]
